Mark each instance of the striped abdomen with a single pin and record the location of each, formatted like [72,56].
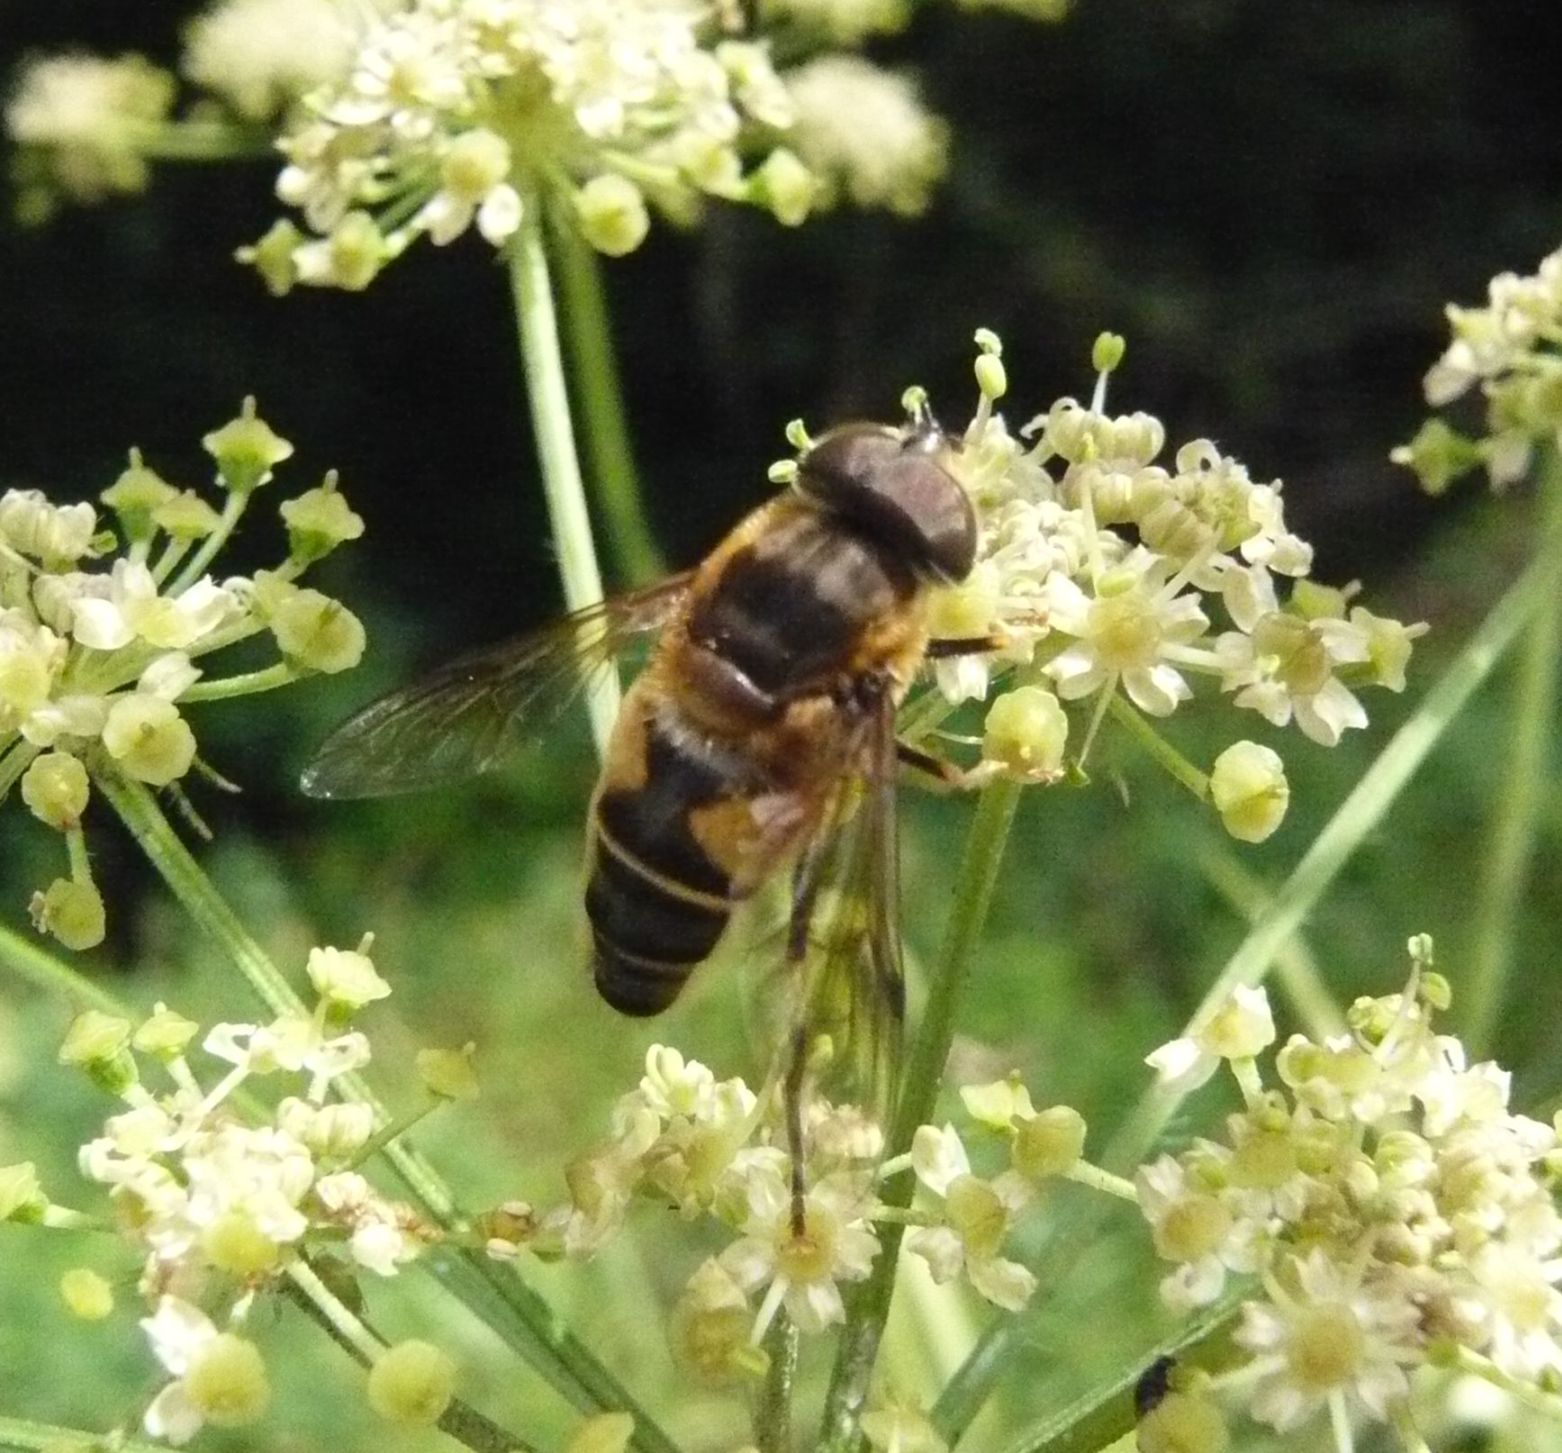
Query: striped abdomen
[682,831]
[727,749]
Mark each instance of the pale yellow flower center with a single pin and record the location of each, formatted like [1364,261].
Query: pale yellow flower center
[1326,1347]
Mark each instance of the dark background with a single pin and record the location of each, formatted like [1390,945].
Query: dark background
[1271,201]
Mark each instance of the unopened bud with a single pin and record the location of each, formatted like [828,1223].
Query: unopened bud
[246,449]
[612,214]
[412,1383]
[55,788]
[1249,789]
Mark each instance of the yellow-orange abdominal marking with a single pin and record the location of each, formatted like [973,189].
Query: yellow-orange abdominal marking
[730,747]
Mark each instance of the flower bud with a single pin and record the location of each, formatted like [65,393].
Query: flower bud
[1183,1423]
[21,1196]
[226,1381]
[612,214]
[1106,353]
[165,1035]
[786,187]
[186,516]
[1249,789]
[245,449]
[345,977]
[991,378]
[73,912]
[1438,455]
[273,257]
[604,1433]
[135,494]
[412,1383]
[86,1294]
[317,632]
[1049,1143]
[318,521]
[54,787]
[149,739]
[1026,732]
[448,1073]
[100,1044]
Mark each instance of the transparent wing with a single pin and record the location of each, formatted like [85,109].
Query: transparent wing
[467,717]
[844,948]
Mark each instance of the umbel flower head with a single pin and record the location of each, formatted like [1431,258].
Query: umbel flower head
[221,1191]
[1113,579]
[455,113]
[1389,1201]
[1512,348]
[104,635]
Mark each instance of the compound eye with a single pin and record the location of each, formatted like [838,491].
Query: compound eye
[891,484]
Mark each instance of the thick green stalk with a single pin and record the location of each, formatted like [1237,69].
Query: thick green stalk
[322,1306]
[773,1411]
[568,517]
[1356,817]
[1511,842]
[1106,1413]
[924,1073]
[599,388]
[518,1314]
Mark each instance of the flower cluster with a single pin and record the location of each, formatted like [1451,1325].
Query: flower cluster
[714,1149]
[1511,349]
[100,633]
[455,112]
[80,124]
[1392,1205]
[1099,574]
[221,1195]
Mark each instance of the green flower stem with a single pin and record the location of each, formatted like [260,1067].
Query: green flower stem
[924,1073]
[42,969]
[232,512]
[1295,968]
[598,385]
[268,678]
[1352,822]
[568,516]
[1085,1174]
[197,141]
[773,1410]
[1466,1359]
[518,1314]
[1410,1439]
[23,1434]
[1106,1413]
[1511,844]
[460,1420]
[1156,746]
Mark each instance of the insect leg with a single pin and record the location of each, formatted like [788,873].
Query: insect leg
[944,773]
[805,895]
[966,645]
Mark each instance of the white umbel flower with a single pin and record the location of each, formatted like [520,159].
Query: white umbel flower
[866,135]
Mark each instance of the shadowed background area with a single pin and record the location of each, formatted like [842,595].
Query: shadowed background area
[1271,201]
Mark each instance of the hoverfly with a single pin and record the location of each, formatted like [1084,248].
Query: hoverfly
[761,734]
